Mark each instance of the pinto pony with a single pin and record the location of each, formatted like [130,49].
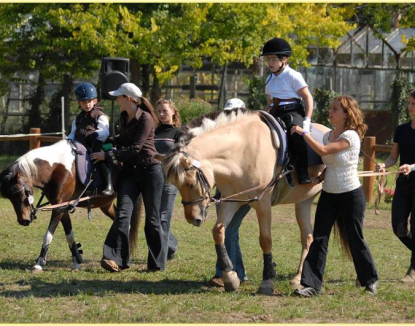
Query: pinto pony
[52,169]
[234,150]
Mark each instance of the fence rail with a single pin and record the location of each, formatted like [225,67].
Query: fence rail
[35,138]
[369,148]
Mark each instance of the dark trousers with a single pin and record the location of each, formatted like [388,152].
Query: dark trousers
[403,206]
[149,181]
[168,200]
[297,142]
[350,207]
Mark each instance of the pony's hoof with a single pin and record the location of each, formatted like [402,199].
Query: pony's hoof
[36,269]
[266,288]
[231,281]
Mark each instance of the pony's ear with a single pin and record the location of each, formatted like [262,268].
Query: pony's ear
[160,157]
[185,162]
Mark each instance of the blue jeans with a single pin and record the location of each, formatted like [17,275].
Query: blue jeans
[168,200]
[232,242]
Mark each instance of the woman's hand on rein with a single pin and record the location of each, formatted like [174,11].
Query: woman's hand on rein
[296,129]
[97,156]
[405,169]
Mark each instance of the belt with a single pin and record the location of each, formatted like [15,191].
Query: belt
[288,106]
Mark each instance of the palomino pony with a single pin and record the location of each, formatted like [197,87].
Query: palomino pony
[236,152]
[52,169]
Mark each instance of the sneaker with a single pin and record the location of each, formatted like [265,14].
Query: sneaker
[170,255]
[216,281]
[110,265]
[372,288]
[306,292]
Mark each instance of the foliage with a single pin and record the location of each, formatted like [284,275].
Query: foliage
[399,101]
[323,98]
[257,99]
[192,108]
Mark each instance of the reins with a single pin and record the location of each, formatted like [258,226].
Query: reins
[207,189]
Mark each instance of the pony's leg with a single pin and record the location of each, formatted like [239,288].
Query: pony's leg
[229,277]
[302,214]
[70,238]
[47,240]
[263,210]
[109,210]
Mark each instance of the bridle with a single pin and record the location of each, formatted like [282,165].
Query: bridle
[202,180]
[30,199]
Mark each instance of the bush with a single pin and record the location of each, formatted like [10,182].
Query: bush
[399,101]
[322,98]
[192,108]
[257,99]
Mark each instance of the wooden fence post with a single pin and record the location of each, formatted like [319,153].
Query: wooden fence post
[34,140]
[369,144]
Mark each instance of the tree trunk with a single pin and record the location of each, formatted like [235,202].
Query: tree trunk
[36,99]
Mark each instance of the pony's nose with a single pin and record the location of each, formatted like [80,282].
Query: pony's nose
[197,222]
[24,223]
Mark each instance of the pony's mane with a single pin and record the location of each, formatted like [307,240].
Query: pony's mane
[172,168]
[213,120]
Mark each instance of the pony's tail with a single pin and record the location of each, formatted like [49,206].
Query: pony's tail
[341,235]
[135,224]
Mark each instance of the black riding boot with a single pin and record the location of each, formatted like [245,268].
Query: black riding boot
[301,159]
[106,172]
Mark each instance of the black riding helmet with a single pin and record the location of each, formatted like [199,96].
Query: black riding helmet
[276,46]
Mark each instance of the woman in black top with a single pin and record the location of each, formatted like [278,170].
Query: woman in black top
[167,134]
[403,204]
[141,173]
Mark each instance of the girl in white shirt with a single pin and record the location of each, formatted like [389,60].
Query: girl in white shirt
[342,200]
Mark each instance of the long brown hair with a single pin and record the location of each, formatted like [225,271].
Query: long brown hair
[355,117]
[145,105]
[177,120]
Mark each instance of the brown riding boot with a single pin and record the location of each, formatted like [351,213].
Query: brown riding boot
[410,276]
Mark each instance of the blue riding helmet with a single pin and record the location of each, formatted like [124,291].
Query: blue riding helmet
[85,91]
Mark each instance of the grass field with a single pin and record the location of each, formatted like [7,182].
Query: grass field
[181,294]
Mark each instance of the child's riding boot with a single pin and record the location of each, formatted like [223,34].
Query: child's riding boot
[106,172]
[301,159]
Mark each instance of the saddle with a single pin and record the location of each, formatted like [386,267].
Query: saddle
[280,141]
[85,170]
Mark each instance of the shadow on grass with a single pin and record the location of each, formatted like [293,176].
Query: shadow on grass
[41,289]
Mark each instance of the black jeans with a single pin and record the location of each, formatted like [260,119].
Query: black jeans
[149,181]
[350,207]
[403,206]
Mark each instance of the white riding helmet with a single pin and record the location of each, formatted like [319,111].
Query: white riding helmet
[234,103]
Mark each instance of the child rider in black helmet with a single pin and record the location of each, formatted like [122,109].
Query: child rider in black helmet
[287,91]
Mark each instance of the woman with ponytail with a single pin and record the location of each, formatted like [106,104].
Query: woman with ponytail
[141,174]
[342,200]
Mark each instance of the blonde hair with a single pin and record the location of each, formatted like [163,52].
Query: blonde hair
[355,117]
[177,120]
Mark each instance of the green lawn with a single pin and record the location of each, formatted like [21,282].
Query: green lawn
[181,294]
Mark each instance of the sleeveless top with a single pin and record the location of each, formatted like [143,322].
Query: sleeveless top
[341,167]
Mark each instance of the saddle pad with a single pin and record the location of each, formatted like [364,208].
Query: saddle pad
[84,167]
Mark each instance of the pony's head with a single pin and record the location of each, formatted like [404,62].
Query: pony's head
[193,181]
[18,188]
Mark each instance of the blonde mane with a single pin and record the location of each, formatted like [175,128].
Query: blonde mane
[223,118]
